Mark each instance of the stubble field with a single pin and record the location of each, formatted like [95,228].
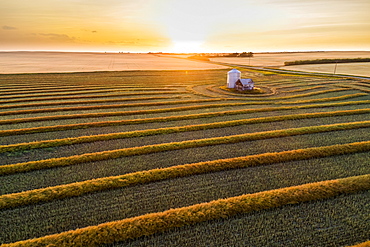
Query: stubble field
[168,158]
[277,60]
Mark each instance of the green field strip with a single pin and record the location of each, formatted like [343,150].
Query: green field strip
[39,95]
[77,108]
[363,84]
[307,94]
[58,103]
[113,154]
[366,90]
[304,84]
[164,97]
[301,89]
[252,97]
[153,175]
[149,132]
[89,96]
[62,89]
[196,116]
[46,90]
[296,83]
[338,221]
[224,90]
[149,224]
[337,98]
[59,88]
[191,89]
[118,113]
[165,194]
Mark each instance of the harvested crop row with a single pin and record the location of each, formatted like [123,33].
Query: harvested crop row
[121,135]
[41,95]
[223,90]
[77,108]
[87,102]
[195,92]
[45,90]
[66,90]
[62,88]
[364,244]
[197,116]
[89,96]
[265,100]
[343,97]
[301,89]
[297,83]
[113,154]
[308,94]
[305,84]
[360,88]
[361,84]
[118,113]
[107,183]
[148,224]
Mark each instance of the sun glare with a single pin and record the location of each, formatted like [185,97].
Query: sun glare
[187,47]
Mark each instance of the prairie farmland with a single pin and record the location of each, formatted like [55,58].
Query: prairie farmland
[171,158]
[277,60]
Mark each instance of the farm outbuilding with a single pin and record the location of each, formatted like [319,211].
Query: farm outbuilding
[244,84]
[234,81]
[232,77]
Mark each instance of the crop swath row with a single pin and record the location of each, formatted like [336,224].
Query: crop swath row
[176,164]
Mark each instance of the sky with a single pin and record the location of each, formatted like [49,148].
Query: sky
[184,25]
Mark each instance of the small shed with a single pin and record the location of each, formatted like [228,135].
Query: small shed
[244,84]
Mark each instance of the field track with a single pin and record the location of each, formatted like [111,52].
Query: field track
[154,158]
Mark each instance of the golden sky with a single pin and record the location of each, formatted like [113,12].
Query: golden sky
[184,25]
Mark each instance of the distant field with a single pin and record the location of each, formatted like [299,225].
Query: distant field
[169,158]
[46,62]
[360,69]
[278,59]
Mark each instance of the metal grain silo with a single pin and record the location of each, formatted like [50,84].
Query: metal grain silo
[232,76]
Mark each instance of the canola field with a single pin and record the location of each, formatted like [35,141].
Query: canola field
[170,158]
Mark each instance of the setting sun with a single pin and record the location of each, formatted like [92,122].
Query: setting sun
[187,47]
[184,25]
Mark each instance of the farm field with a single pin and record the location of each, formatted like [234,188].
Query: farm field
[277,60]
[359,69]
[170,158]
[49,62]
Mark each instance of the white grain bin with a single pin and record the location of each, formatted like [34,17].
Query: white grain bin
[232,76]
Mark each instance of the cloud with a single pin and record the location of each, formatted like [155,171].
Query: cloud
[8,28]
[56,36]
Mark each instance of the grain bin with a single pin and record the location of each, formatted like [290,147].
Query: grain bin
[232,76]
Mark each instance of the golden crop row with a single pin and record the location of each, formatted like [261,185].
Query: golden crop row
[117,113]
[196,116]
[149,224]
[140,177]
[92,107]
[155,148]
[86,102]
[41,95]
[169,130]
[88,96]
[301,89]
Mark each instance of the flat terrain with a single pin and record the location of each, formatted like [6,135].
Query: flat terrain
[359,69]
[81,149]
[47,62]
[277,60]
